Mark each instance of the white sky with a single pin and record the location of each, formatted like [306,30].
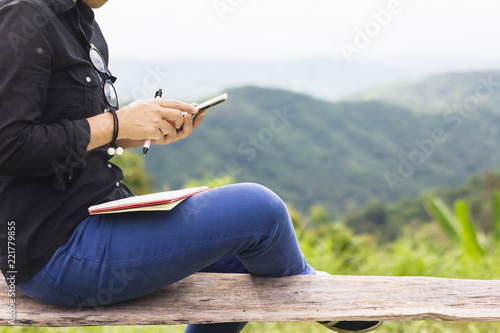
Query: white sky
[284,29]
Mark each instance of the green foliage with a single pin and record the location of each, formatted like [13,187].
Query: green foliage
[319,215]
[333,248]
[458,227]
[478,192]
[299,222]
[271,327]
[440,212]
[496,216]
[372,218]
[211,182]
[468,235]
[137,178]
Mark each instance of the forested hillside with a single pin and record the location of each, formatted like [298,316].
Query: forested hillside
[338,155]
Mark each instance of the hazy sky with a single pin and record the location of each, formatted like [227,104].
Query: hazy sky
[357,30]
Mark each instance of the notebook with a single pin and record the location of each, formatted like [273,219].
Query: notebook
[149,202]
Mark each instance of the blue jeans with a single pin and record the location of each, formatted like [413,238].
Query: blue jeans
[241,228]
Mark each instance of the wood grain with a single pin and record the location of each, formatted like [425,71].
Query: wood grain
[208,298]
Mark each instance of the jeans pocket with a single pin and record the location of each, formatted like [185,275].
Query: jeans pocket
[43,288]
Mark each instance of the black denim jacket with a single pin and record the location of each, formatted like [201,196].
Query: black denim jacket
[48,86]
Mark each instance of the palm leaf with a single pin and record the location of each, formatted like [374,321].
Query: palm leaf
[469,235]
[438,210]
[496,215]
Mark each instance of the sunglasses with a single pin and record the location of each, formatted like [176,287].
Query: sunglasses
[108,88]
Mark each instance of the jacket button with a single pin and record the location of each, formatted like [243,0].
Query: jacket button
[117,184]
[109,165]
[88,79]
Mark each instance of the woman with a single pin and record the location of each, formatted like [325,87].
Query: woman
[59,126]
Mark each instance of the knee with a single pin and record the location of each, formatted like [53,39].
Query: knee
[269,205]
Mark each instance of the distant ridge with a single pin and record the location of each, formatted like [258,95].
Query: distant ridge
[440,93]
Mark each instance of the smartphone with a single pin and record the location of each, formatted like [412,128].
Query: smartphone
[211,103]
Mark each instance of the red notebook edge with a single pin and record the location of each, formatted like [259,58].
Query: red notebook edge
[143,204]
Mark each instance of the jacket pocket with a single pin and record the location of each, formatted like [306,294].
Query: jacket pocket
[84,94]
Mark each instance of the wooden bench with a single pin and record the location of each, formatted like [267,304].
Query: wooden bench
[208,298]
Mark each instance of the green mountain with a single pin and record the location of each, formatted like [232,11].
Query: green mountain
[338,155]
[451,92]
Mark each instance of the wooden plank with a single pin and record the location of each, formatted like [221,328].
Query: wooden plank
[207,298]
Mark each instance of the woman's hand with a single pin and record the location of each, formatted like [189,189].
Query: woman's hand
[159,120]
[152,119]
[184,131]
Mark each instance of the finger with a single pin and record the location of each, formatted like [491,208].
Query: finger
[173,116]
[181,106]
[197,120]
[165,140]
[187,128]
[165,129]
